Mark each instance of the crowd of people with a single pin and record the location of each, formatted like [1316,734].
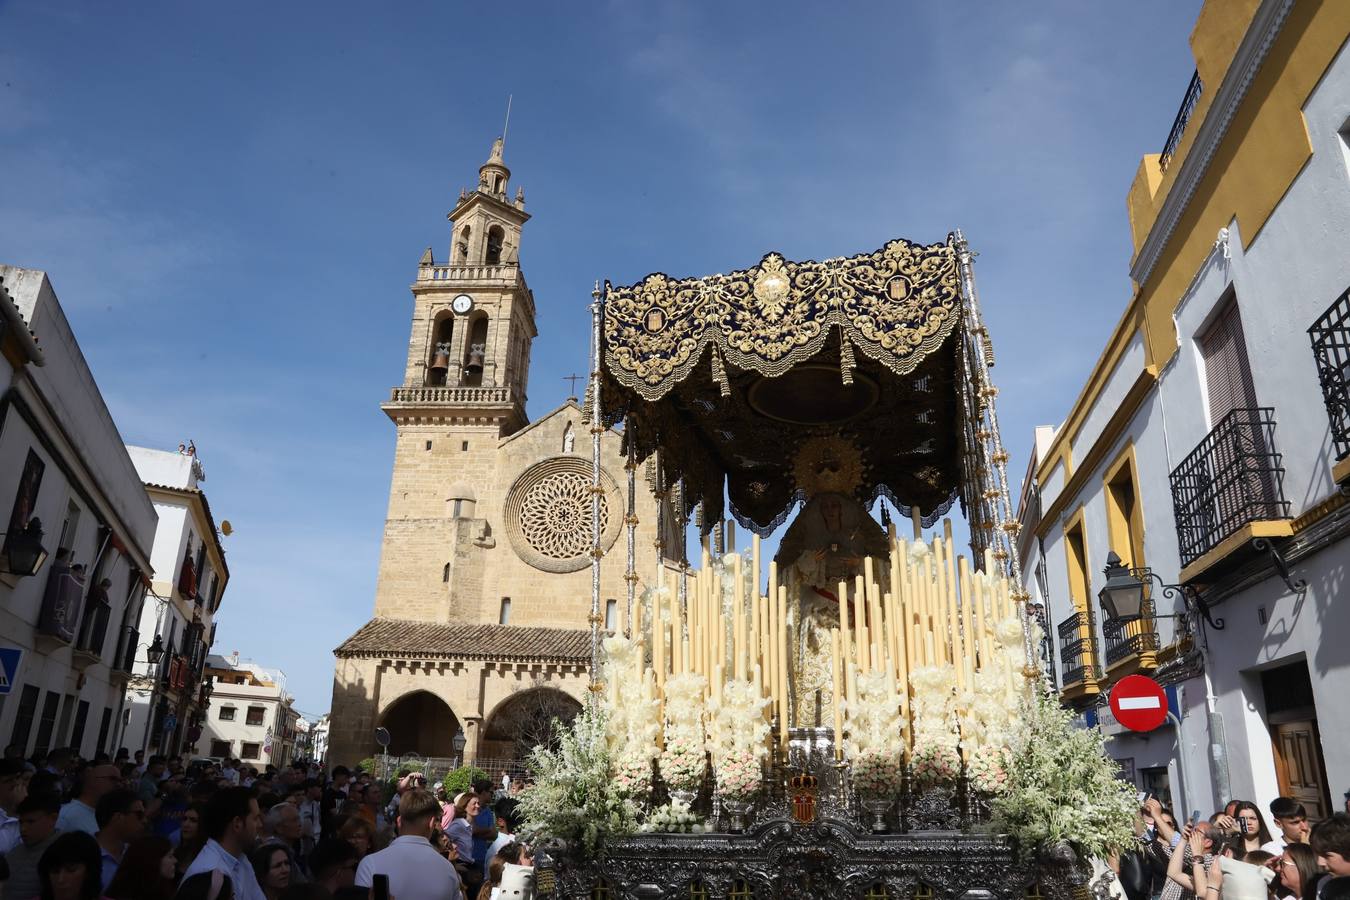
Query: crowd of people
[136,828]
[1235,854]
[132,828]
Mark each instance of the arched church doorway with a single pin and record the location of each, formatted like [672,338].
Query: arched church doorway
[420,723]
[525,720]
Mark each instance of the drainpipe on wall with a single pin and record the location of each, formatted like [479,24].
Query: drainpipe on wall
[1184,778]
[1218,749]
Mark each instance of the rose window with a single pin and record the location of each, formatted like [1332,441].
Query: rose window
[548,514]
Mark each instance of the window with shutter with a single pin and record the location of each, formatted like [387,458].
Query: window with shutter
[1228,374]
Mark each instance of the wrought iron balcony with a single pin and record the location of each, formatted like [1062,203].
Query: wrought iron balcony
[1331,347]
[1193,92]
[1234,477]
[1077,651]
[1132,638]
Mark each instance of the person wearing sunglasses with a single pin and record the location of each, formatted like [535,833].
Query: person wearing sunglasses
[121,820]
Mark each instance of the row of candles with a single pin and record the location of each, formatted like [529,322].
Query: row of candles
[934,610]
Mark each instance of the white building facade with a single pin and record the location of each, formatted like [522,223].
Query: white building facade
[166,703]
[1211,444]
[66,630]
[251,718]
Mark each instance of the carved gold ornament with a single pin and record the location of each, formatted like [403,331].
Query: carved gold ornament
[896,305]
[772,287]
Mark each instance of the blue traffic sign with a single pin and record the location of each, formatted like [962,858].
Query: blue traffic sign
[9,668]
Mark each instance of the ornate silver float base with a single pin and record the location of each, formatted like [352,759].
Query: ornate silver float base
[829,859]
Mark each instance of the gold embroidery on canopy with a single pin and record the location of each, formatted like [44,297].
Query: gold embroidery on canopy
[896,305]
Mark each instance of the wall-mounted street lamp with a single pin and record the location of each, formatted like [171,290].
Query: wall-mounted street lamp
[1124,594]
[23,553]
[155,652]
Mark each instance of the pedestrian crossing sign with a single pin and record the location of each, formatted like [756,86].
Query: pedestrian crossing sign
[9,668]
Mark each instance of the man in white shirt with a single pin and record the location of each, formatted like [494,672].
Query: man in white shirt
[415,869]
[1291,822]
[231,824]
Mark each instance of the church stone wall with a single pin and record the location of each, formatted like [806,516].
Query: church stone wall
[421,537]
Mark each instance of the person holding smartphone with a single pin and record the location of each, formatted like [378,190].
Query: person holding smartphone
[411,868]
[1251,826]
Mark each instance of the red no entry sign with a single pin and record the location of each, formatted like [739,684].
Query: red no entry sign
[1139,703]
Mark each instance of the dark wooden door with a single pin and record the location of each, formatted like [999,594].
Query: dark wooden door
[1299,766]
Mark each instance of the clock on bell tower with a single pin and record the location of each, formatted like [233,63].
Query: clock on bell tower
[473,317]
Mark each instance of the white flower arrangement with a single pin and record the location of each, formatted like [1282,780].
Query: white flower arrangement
[1063,787]
[682,763]
[987,769]
[673,818]
[934,757]
[875,745]
[739,775]
[633,775]
[878,773]
[683,760]
[632,724]
[736,739]
[574,796]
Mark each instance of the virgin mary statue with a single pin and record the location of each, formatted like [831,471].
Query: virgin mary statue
[825,545]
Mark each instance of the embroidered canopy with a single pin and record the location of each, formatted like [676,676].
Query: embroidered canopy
[733,376]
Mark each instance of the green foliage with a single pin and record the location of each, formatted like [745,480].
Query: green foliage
[1063,787]
[370,764]
[575,797]
[461,780]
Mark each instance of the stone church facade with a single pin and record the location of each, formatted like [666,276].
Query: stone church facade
[484,588]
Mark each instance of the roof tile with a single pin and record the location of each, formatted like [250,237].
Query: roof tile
[402,637]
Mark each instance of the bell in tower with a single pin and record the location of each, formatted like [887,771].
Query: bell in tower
[474,365]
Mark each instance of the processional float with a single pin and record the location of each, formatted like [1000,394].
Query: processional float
[832,722]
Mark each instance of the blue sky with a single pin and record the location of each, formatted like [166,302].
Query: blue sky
[231,200]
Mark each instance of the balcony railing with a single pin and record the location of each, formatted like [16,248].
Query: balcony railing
[1193,92]
[1077,653]
[474,273]
[1331,347]
[1232,478]
[1131,638]
[496,395]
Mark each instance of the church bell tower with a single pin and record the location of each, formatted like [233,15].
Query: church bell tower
[474,317]
[463,392]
